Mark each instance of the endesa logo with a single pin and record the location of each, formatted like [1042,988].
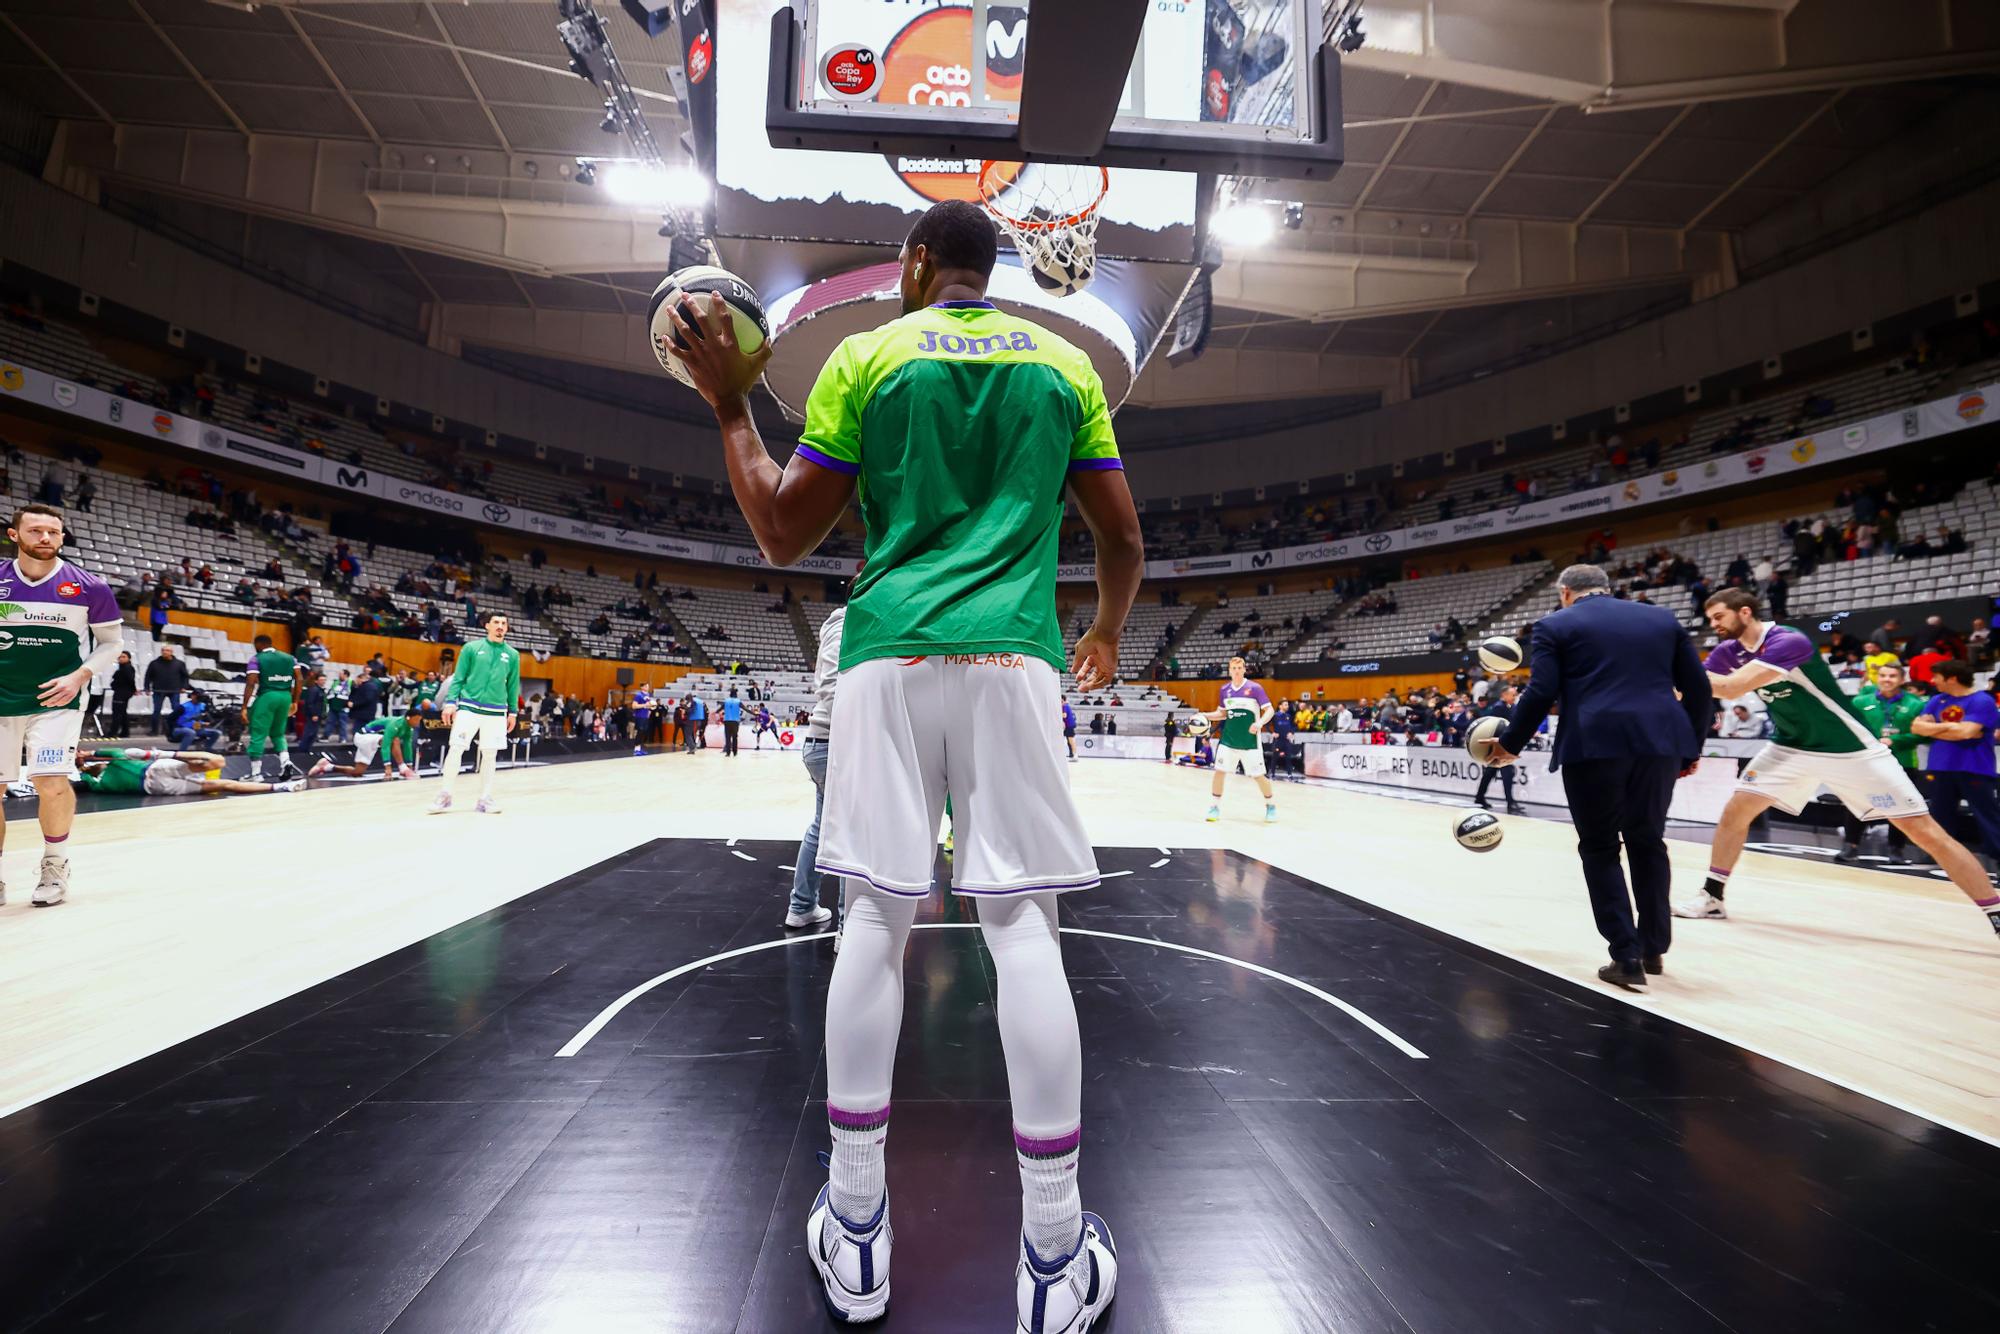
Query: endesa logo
[431,499]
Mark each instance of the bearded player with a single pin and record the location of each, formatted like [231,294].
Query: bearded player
[480,702]
[61,627]
[1819,738]
[1244,713]
[957,428]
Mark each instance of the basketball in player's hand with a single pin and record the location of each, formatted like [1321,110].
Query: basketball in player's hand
[1483,738]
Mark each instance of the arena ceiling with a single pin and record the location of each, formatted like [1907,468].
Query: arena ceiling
[1493,198]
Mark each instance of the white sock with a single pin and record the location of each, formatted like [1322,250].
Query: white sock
[1051,1208]
[296,785]
[858,1180]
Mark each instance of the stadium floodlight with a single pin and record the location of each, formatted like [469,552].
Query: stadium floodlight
[1243,225]
[645,186]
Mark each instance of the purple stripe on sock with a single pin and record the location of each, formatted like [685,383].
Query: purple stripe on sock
[850,1120]
[1048,1148]
[55,838]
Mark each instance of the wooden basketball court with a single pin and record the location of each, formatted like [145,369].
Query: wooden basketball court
[327,1063]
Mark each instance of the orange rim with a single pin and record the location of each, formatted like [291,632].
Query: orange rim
[989,196]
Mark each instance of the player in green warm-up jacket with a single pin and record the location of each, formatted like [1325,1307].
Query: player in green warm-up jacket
[480,701]
[1887,707]
[270,698]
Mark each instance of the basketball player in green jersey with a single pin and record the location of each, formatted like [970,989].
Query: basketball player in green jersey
[271,686]
[1818,739]
[957,428]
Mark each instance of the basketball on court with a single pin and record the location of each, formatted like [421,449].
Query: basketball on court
[1482,737]
[1500,654]
[687,290]
[1478,831]
[1197,726]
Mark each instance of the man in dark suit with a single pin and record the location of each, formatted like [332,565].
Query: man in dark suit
[1622,740]
[1500,706]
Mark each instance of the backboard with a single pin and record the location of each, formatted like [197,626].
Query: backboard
[1226,87]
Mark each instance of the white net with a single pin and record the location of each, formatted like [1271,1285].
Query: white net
[1049,212]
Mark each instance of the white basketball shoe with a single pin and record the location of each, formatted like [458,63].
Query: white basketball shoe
[1702,905]
[54,885]
[853,1260]
[1066,1295]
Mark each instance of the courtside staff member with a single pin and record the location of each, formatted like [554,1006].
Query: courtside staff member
[1622,741]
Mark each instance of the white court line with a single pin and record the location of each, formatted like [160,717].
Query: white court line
[1167,852]
[611,1011]
[1158,864]
[1112,875]
[730,844]
[744,855]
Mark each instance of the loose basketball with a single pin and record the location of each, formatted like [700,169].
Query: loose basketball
[684,288]
[1499,653]
[1482,737]
[1197,726]
[1478,831]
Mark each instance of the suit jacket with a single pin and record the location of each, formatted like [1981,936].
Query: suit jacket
[1614,666]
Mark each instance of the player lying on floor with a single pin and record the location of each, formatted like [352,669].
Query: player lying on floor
[166,773]
[392,740]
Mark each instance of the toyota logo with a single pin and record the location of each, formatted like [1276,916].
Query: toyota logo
[496,512]
[1379,542]
[212,438]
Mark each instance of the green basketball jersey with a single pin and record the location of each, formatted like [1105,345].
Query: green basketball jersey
[1809,710]
[961,424]
[274,671]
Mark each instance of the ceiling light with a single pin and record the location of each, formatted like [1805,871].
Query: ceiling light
[656,187]
[1295,216]
[1243,225]
[610,124]
[531,168]
[586,173]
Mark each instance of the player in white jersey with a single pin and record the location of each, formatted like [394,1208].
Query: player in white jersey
[1244,713]
[59,627]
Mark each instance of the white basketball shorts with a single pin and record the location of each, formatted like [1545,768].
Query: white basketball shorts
[1870,783]
[368,745]
[1251,758]
[984,728]
[489,728]
[172,778]
[36,745]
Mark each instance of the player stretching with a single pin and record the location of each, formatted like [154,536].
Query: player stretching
[393,740]
[49,610]
[271,697]
[1818,738]
[480,701]
[1243,714]
[959,425]
[166,773]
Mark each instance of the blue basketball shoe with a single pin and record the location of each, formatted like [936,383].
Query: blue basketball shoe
[852,1259]
[1067,1294]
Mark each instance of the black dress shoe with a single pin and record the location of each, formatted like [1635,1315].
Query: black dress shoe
[1653,964]
[1516,808]
[1480,802]
[1627,974]
[1848,856]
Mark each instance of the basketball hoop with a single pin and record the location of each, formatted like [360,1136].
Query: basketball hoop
[1050,214]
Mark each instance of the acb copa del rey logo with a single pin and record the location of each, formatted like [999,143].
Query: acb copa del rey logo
[924,65]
